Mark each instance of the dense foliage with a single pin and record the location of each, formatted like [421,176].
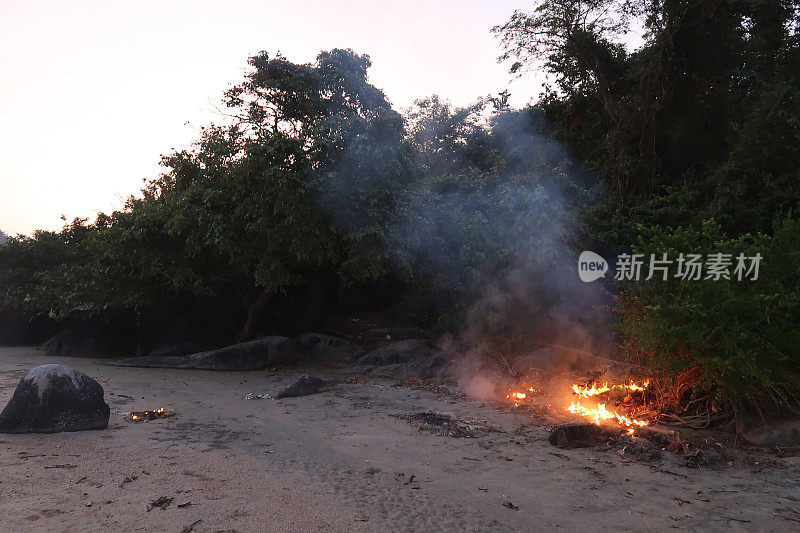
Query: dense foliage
[698,123]
[733,332]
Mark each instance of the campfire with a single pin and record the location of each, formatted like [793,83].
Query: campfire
[600,403]
[627,397]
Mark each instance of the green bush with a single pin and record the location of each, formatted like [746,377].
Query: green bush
[742,338]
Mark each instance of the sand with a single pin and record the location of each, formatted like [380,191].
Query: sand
[337,461]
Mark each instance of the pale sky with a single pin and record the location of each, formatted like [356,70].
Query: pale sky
[93,92]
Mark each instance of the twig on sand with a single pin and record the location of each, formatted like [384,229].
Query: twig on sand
[669,472]
[162,503]
[31,456]
[508,366]
[732,519]
[510,505]
[190,527]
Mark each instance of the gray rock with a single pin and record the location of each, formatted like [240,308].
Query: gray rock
[87,336]
[324,349]
[304,386]
[170,347]
[252,355]
[55,398]
[402,359]
[77,343]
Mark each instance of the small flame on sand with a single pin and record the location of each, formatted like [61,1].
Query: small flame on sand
[515,396]
[520,395]
[148,415]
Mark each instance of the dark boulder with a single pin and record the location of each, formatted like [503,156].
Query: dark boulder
[172,346]
[86,336]
[580,435]
[304,386]
[324,349]
[406,359]
[54,398]
[252,355]
[71,343]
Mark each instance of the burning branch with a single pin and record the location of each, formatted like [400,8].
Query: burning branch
[600,413]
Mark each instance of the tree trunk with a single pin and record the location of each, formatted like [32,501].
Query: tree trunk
[253,310]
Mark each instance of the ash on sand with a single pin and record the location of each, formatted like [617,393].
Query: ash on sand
[442,424]
[304,386]
[638,447]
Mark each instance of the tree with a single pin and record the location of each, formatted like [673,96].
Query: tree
[298,188]
[674,112]
[37,271]
[573,38]
[353,139]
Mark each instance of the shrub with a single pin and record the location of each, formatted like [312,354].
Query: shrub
[739,340]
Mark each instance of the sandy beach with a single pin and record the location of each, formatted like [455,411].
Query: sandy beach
[338,461]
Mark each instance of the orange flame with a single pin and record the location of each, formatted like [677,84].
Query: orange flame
[600,413]
[594,390]
[519,395]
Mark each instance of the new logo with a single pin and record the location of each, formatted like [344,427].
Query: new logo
[591,266]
